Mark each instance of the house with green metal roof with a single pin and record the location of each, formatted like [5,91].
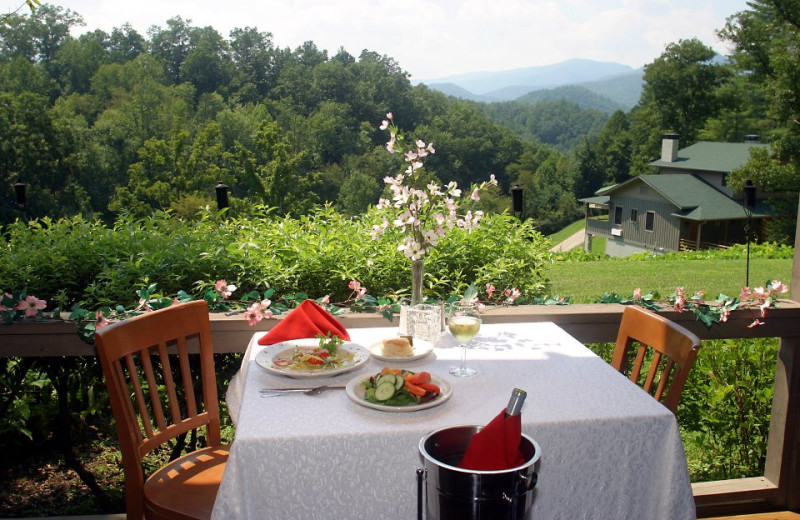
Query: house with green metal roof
[686,205]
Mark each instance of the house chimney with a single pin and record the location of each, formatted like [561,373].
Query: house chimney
[669,147]
[752,139]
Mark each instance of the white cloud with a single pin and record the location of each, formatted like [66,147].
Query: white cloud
[435,38]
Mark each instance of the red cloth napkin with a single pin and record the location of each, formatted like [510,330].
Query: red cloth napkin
[306,321]
[496,446]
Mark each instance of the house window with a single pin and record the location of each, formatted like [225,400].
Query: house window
[618,215]
[634,215]
[649,220]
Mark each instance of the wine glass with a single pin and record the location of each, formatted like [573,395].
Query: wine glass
[464,323]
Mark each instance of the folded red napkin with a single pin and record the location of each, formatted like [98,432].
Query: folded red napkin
[496,446]
[306,321]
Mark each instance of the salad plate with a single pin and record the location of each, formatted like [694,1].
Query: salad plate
[355,390]
[421,349]
[273,359]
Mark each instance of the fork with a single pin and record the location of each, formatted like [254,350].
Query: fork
[274,392]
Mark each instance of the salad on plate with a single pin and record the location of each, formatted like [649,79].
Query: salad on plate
[400,387]
[325,356]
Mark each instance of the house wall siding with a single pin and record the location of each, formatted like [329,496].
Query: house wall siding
[666,227]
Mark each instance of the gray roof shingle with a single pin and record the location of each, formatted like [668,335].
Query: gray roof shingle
[693,198]
[710,156]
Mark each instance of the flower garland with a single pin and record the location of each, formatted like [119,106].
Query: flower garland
[256,306]
[712,311]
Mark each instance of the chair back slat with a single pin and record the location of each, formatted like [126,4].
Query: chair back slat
[121,388]
[133,377]
[652,372]
[664,379]
[183,356]
[169,382]
[636,369]
[152,386]
[658,339]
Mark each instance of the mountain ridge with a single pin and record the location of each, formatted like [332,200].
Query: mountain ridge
[619,84]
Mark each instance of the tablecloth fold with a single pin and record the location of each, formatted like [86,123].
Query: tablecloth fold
[305,321]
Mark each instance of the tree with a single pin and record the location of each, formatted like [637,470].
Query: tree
[207,64]
[284,187]
[77,61]
[125,44]
[680,87]
[605,159]
[766,39]
[6,19]
[171,45]
[38,36]
[253,54]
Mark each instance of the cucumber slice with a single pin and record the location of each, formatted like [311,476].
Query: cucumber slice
[384,391]
[385,378]
[399,382]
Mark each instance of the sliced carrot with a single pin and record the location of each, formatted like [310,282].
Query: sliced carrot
[395,371]
[420,377]
[431,388]
[385,370]
[415,390]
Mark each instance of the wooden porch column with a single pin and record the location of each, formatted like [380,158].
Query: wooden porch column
[795,284]
[783,449]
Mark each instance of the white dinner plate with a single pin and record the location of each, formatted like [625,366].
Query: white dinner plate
[421,349]
[355,391]
[285,348]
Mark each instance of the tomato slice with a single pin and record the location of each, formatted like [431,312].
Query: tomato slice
[420,378]
[431,388]
[414,389]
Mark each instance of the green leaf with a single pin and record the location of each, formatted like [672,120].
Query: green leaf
[471,293]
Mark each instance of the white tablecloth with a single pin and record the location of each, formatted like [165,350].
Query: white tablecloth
[609,451]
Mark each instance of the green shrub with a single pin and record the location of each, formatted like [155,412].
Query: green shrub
[75,261]
[725,408]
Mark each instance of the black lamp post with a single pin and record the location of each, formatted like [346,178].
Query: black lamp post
[516,200]
[19,192]
[222,196]
[749,206]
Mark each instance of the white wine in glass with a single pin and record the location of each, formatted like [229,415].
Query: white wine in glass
[464,323]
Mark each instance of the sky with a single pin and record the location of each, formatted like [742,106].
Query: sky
[433,39]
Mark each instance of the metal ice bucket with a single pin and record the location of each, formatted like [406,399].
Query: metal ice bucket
[447,492]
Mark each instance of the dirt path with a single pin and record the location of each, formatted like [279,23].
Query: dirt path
[571,242]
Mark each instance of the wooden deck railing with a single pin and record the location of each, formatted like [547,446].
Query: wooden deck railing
[684,244]
[778,488]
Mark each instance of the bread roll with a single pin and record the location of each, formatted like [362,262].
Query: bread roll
[397,347]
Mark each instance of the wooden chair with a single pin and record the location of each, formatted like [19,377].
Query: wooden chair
[663,339]
[139,371]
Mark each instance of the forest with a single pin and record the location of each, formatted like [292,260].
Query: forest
[104,125]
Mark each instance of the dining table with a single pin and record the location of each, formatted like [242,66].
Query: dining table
[608,449]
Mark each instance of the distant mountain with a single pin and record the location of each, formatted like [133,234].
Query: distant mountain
[451,89]
[625,89]
[579,95]
[545,76]
[620,84]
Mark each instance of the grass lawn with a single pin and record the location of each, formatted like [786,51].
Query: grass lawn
[585,282]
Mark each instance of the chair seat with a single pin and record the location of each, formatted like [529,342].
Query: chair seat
[182,489]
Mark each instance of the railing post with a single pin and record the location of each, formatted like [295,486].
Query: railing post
[795,284]
[783,448]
